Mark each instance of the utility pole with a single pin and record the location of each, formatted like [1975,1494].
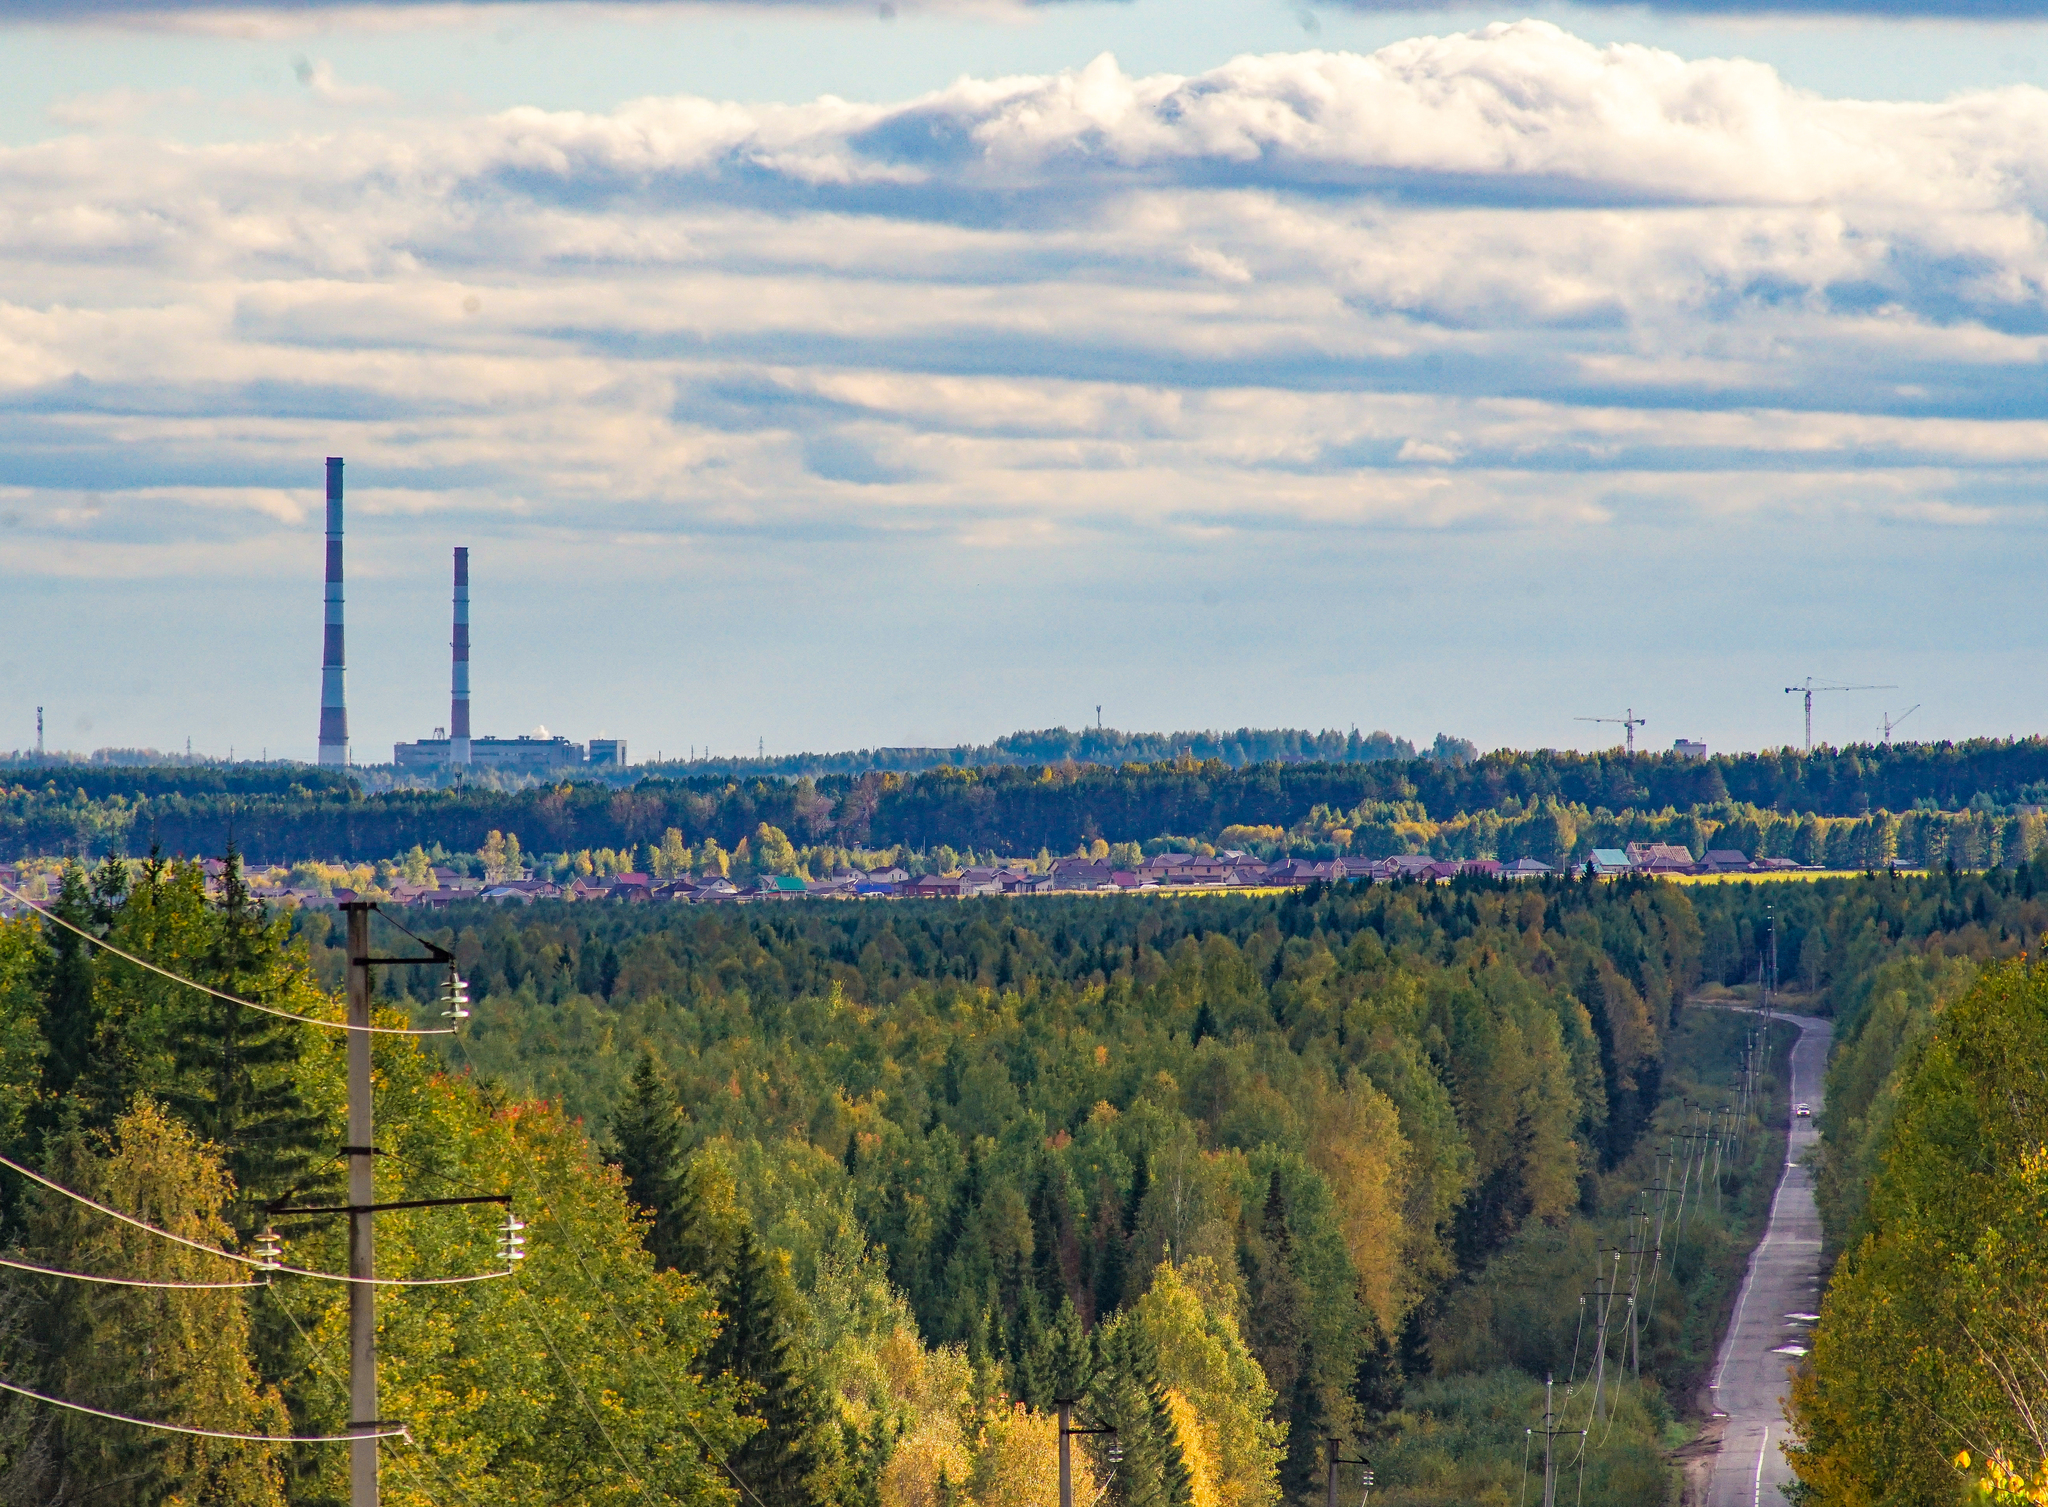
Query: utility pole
[1067,1434]
[1807,691]
[363,1421]
[1333,1456]
[39,736]
[362,1192]
[1551,1433]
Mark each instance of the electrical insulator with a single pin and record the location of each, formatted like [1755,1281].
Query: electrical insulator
[1115,1452]
[511,1240]
[455,996]
[269,1253]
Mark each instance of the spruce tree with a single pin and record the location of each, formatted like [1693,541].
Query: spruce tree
[1308,1423]
[70,1008]
[1124,1393]
[1377,1384]
[787,1462]
[235,1067]
[647,1137]
[1278,1315]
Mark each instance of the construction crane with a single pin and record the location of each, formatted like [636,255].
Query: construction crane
[1813,686]
[1631,722]
[1891,722]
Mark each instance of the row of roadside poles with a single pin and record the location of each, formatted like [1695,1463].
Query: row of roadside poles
[1333,1456]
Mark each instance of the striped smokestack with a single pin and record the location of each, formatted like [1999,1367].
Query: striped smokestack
[458,710]
[333,704]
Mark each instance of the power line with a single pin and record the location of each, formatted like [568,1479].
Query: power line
[577,1386]
[179,1428]
[51,1271]
[255,1261]
[317,1355]
[570,1243]
[310,1020]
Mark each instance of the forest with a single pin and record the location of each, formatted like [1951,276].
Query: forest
[1977,804]
[830,1204]
[836,1203]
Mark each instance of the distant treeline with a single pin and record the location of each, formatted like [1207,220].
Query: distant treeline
[277,816]
[1088,745]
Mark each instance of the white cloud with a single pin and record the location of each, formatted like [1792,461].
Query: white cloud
[1479,281]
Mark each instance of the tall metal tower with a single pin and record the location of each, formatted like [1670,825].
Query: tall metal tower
[333,698]
[1812,686]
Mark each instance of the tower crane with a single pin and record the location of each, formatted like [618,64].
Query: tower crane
[1631,722]
[1891,722]
[1812,686]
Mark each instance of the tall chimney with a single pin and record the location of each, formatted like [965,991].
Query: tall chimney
[458,711]
[333,704]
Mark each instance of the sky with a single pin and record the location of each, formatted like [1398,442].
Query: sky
[831,376]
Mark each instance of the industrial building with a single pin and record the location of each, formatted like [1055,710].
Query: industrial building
[451,747]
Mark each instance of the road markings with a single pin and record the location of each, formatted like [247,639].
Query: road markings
[1757,1497]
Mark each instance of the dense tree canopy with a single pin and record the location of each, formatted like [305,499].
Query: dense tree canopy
[1549,804]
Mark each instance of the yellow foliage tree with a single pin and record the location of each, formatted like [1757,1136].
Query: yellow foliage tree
[1019,1462]
[1189,1316]
[1356,1143]
[180,1355]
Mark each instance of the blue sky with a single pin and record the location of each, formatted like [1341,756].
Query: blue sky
[826,379]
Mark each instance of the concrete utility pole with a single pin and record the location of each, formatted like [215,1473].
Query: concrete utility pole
[363,1422]
[1333,1455]
[1067,1435]
[362,1259]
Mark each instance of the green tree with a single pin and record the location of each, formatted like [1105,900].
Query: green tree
[234,1070]
[647,1131]
[70,1008]
[180,1355]
[771,851]
[790,1459]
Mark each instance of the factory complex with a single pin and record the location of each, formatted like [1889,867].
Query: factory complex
[451,747]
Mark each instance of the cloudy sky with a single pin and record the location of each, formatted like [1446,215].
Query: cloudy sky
[839,375]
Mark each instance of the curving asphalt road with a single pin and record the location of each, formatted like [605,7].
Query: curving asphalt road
[1775,1310]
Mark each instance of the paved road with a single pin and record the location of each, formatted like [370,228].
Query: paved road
[1775,1310]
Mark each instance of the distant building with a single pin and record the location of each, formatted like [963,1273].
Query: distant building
[1686,748]
[535,753]
[1660,858]
[609,753]
[1608,862]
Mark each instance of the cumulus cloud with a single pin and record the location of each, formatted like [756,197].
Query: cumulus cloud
[1488,280]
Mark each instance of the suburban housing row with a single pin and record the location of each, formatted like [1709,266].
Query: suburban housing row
[1178,871]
